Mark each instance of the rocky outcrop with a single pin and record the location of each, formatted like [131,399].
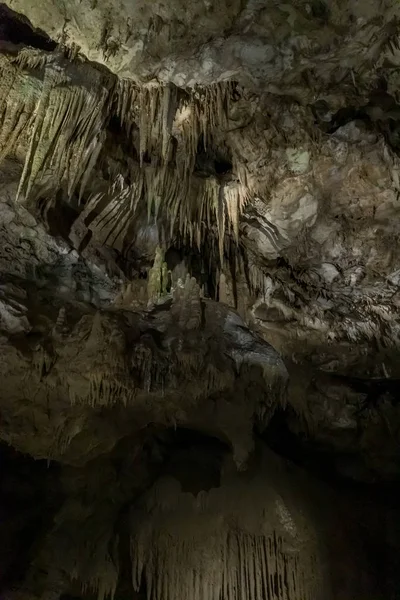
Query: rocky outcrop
[74,371]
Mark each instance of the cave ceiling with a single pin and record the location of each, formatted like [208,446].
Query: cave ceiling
[199,222]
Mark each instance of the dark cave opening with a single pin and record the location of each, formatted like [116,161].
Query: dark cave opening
[29,495]
[287,439]
[119,136]
[193,458]
[212,161]
[204,263]
[17,30]
[381,115]
[320,10]
[300,450]
[198,264]
[61,215]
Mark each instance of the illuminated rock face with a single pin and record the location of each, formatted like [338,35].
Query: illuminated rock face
[255,536]
[199,271]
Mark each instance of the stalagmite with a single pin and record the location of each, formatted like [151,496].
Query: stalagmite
[158,277]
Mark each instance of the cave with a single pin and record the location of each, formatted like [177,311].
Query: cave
[200,300]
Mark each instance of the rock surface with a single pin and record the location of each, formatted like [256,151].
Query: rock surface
[199,226]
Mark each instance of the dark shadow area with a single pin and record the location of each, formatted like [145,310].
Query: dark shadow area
[211,161]
[319,459]
[18,30]
[193,458]
[29,495]
[363,517]
[199,264]
[381,115]
[61,215]
[374,389]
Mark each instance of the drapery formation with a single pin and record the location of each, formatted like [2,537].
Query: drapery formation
[241,541]
[58,111]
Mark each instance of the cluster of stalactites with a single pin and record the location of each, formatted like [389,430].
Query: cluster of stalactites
[162,111]
[235,566]
[240,541]
[60,110]
[188,204]
[191,207]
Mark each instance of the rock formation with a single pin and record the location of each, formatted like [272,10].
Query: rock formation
[199,299]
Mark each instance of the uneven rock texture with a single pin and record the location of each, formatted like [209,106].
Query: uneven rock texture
[76,372]
[265,42]
[199,226]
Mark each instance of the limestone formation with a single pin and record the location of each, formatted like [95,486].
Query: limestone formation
[199,271]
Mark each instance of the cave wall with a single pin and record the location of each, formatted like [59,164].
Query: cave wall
[199,259]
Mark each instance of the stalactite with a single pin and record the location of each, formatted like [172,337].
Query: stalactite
[89,123]
[42,361]
[111,225]
[12,129]
[144,363]
[16,109]
[65,112]
[166,126]
[31,159]
[156,110]
[227,544]
[234,568]
[106,390]
[170,190]
[192,211]
[31,59]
